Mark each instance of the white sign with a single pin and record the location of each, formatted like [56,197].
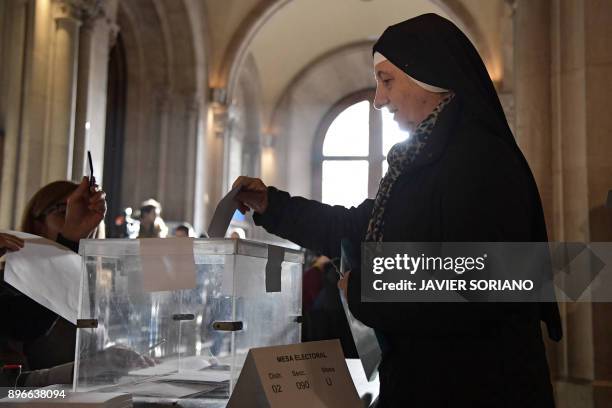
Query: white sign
[305,375]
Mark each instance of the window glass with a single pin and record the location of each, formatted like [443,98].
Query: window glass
[345,182]
[348,135]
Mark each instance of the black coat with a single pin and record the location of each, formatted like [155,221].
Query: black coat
[467,185]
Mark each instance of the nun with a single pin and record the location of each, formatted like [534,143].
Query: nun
[459,177]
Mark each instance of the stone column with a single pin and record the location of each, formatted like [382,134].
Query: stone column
[570,190]
[59,137]
[96,38]
[597,51]
[216,151]
[200,210]
[162,114]
[12,79]
[252,155]
[582,68]
[533,130]
[191,120]
[532,92]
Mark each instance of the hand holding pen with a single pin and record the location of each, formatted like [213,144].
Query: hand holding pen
[85,208]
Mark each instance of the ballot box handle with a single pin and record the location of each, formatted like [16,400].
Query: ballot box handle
[87,323]
[228,325]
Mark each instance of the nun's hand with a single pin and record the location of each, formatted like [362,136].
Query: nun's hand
[253,194]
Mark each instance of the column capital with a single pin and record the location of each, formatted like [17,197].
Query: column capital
[67,10]
[91,9]
[512,4]
[113,32]
[217,99]
[220,118]
[80,10]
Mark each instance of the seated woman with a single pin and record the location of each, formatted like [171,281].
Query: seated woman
[39,340]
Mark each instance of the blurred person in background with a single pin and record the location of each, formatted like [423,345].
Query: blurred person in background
[324,316]
[124,225]
[151,223]
[184,230]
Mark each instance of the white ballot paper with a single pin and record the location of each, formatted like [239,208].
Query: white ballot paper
[167,264]
[223,214]
[46,272]
[365,340]
[210,376]
[171,365]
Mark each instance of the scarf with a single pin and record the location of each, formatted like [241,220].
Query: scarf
[400,157]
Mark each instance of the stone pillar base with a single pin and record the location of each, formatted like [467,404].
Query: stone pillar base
[583,394]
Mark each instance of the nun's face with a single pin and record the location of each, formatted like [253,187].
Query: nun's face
[409,103]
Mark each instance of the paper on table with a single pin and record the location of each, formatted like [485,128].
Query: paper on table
[167,264]
[192,363]
[160,389]
[362,384]
[46,272]
[223,214]
[209,376]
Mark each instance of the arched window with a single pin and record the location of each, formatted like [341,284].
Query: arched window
[351,149]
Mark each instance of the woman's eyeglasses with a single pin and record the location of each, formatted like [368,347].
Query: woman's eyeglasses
[59,208]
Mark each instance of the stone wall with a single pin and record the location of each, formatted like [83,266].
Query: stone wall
[563,78]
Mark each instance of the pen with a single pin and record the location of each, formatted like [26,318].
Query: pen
[92,179]
[157,344]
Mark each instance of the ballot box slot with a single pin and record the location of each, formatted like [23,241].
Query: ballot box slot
[183,316]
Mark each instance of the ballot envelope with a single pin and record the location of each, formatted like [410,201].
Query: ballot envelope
[176,317]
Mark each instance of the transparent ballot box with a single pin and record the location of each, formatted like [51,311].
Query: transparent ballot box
[140,335]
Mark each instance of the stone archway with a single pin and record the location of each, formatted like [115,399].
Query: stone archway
[313,93]
[226,77]
[163,109]
[228,73]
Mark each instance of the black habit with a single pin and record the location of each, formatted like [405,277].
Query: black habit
[470,183]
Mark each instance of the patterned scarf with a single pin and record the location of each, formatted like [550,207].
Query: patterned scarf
[400,157]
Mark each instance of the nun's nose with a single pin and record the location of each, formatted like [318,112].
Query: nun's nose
[380,99]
